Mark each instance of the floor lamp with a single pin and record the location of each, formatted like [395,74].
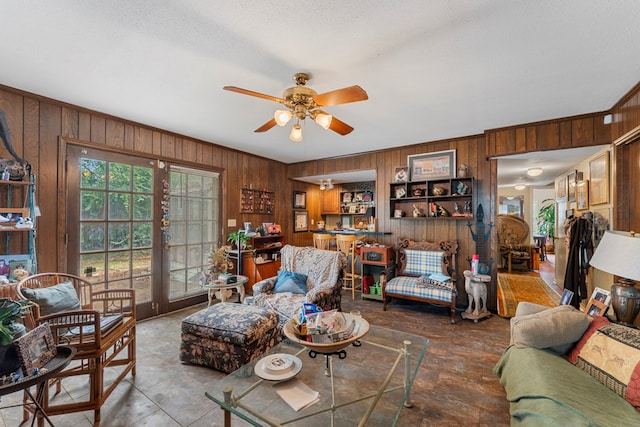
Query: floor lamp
[618,253]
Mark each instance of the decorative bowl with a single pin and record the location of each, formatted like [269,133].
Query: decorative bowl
[361,329]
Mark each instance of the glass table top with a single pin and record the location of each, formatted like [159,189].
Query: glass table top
[370,383]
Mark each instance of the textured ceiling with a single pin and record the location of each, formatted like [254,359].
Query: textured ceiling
[432,69]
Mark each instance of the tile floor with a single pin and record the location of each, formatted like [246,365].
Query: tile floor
[455,385]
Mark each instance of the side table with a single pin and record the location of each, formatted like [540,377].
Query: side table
[64,354]
[476,287]
[223,290]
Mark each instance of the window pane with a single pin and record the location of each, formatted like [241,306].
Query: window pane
[92,267]
[141,262]
[142,179]
[176,208]
[92,204]
[91,236]
[142,232]
[92,173]
[119,266]
[119,206]
[119,177]
[194,232]
[142,206]
[119,235]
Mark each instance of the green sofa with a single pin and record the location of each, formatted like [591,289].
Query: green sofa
[545,389]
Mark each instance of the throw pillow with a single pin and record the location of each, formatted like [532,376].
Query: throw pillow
[54,299]
[556,329]
[289,281]
[611,354]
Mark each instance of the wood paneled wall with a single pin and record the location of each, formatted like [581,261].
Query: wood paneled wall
[626,164]
[38,123]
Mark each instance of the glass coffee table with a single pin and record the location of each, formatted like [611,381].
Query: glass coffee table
[369,385]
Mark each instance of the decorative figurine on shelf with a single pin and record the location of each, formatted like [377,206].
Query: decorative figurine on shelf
[462,171]
[442,211]
[456,208]
[467,208]
[462,188]
[417,212]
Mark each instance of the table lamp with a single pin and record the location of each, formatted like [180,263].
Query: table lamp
[618,253]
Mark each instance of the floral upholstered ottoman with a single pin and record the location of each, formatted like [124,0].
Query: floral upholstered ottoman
[226,336]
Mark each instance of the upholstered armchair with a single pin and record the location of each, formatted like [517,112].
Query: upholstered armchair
[321,273]
[513,238]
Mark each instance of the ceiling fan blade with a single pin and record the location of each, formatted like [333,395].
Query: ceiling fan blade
[339,126]
[265,127]
[252,93]
[341,96]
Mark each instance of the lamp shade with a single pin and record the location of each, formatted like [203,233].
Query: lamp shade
[282,117]
[618,253]
[323,120]
[296,133]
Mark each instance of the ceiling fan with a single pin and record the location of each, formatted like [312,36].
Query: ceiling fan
[302,102]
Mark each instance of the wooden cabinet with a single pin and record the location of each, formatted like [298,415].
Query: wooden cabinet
[437,199]
[262,261]
[331,201]
[375,261]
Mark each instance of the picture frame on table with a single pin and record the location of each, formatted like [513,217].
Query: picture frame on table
[602,295]
[582,195]
[360,222]
[428,166]
[300,221]
[401,174]
[299,199]
[36,348]
[596,308]
[566,297]
[599,176]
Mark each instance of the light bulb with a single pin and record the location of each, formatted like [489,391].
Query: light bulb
[296,133]
[322,187]
[282,117]
[324,120]
[329,184]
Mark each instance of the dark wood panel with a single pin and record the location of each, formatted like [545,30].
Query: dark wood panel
[114,133]
[70,123]
[98,129]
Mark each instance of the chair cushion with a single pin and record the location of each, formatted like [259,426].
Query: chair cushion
[408,286]
[107,324]
[556,329]
[54,299]
[289,281]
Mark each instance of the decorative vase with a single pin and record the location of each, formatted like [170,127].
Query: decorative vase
[625,299]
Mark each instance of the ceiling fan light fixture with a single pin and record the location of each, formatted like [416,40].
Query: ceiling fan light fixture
[322,186]
[282,117]
[296,133]
[534,171]
[324,120]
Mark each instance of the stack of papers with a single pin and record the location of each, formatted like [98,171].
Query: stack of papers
[296,393]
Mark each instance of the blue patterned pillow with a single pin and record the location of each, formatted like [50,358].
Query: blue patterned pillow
[288,281]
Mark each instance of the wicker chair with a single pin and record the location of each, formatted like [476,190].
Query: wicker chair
[102,329]
[513,237]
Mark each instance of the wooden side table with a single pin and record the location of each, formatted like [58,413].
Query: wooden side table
[64,354]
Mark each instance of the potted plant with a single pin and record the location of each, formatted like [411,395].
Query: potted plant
[10,312]
[219,260]
[546,218]
[233,239]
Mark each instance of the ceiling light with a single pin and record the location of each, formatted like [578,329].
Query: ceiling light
[520,187]
[282,117]
[324,120]
[329,184]
[296,133]
[322,187]
[534,171]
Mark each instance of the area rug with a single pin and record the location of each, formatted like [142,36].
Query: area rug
[513,288]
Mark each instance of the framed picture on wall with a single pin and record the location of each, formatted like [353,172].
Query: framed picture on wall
[299,200]
[561,188]
[300,221]
[441,164]
[401,174]
[599,176]
[582,195]
[572,182]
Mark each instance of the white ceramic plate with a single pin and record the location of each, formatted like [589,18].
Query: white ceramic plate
[278,367]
